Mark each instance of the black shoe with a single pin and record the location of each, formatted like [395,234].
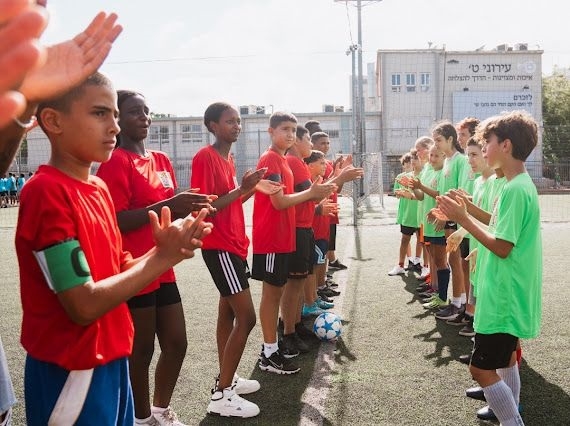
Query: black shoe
[465,359]
[324,298]
[475,392]
[330,283]
[486,413]
[337,265]
[327,291]
[277,364]
[301,344]
[303,332]
[288,346]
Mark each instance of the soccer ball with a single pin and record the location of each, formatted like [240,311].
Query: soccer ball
[327,326]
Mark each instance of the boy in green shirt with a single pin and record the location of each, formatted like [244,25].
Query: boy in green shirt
[510,257]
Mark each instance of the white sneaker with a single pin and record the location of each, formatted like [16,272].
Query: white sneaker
[166,417]
[227,403]
[397,270]
[151,421]
[244,386]
[7,417]
[425,272]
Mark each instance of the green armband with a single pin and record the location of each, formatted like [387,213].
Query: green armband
[64,265]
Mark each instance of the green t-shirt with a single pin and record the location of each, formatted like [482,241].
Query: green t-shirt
[430,179]
[467,176]
[509,296]
[407,209]
[452,170]
[481,190]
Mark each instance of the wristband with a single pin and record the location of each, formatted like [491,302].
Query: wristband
[25,126]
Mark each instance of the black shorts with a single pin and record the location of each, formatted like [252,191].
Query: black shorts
[321,248]
[229,272]
[166,294]
[332,237]
[436,241]
[13,193]
[450,225]
[272,268]
[493,351]
[464,248]
[301,260]
[408,230]
[3,193]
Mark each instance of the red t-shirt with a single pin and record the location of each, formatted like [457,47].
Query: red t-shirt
[304,212]
[55,207]
[273,230]
[135,182]
[214,174]
[321,226]
[334,196]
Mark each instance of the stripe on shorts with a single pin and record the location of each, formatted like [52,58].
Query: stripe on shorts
[269,262]
[229,272]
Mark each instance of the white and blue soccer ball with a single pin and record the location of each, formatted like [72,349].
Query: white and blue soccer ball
[327,326]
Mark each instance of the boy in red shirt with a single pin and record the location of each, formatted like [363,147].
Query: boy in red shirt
[273,235]
[74,276]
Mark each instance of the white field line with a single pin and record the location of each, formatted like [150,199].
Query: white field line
[315,395]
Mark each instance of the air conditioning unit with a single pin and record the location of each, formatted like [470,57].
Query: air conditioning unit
[503,47]
[243,109]
[259,109]
[339,108]
[521,46]
[328,108]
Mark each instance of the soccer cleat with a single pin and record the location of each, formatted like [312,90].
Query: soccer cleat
[165,417]
[476,392]
[467,330]
[244,386]
[461,319]
[324,305]
[324,297]
[336,265]
[448,313]
[227,403]
[397,270]
[288,346]
[311,310]
[436,303]
[424,272]
[330,283]
[277,364]
[328,291]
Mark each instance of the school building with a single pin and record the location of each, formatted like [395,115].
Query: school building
[405,93]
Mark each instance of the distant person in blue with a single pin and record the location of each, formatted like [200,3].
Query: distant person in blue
[20,181]
[3,191]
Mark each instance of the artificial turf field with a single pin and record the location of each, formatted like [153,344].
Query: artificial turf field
[395,364]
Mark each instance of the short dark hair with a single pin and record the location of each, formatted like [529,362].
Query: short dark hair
[317,135]
[313,126]
[279,117]
[406,158]
[214,112]
[122,96]
[469,123]
[473,141]
[301,131]
[517,126]
[63,102]
[315,156]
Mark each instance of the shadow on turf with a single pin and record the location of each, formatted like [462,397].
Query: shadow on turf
[279,398]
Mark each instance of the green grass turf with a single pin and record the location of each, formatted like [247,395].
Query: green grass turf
[394,365]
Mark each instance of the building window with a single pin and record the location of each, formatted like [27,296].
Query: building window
[191,133]
[396,83]
[410,82]
[159,134]
[425,81]
[333,134]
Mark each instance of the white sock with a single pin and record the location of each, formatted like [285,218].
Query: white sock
[501,401]
[463,298]
[270,348]
[511,377]
[142,421]
[456,301]
[157,410]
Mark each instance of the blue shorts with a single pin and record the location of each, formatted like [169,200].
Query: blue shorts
[109,397]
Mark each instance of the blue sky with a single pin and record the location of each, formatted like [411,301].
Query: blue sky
[185,54]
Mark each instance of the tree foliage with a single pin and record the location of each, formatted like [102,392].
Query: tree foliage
[556,115]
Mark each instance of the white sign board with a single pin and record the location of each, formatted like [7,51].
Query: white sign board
[486,104]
